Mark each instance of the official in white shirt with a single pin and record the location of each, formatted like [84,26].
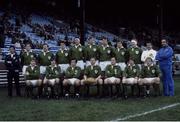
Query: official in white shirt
[150,52]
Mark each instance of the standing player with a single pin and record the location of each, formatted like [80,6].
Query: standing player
[121,55]
[62,57]
[26,57]
[90,51]
[105,53]
[45,59]
[135,53]
[77,52]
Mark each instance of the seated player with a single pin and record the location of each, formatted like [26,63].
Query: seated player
[150,75]
[72,77]
[33,78]
[130,76]
[92,75]
[112,75]
[52,79]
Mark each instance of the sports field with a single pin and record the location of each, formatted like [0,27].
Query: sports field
[153,108]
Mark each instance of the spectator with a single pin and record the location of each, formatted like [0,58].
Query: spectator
[17,45]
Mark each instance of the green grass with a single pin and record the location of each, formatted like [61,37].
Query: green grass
[172,114]
[17,108]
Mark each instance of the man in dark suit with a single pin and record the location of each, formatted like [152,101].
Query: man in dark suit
[12,63]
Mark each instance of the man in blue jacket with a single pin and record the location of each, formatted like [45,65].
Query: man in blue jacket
[164,56]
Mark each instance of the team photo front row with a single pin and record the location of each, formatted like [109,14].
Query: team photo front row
[54,83]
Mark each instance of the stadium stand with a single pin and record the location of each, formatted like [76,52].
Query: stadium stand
[3,77]
[40,29]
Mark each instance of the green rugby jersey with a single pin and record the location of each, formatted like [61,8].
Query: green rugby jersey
[62,57]
[105,53]
[113,71]
[150,71]
[135,54]
[131,71]
[92,71]
[53,72]
[45,58]
[32,73]
[77,52]
[73,72]
[90,51]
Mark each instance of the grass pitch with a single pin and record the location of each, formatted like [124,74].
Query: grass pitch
[21,108]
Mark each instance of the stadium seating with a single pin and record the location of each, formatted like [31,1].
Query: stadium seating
[3,77]
[42,20]
[39,20]
[53,43]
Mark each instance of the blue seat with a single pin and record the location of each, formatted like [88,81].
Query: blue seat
[55,48]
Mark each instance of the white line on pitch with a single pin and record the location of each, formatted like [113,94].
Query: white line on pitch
[148,112]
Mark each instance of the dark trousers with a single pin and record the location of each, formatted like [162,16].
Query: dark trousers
[10,76]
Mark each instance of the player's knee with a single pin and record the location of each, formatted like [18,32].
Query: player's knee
[65,82]
[51,83]
[39,82]
[28,83]
[100,81]
[124,81]
[106,81]
[77,83]
[82,82]
[45,81]
[117,81]
[57,80]
[140,82]
[135,81]
[157,81]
